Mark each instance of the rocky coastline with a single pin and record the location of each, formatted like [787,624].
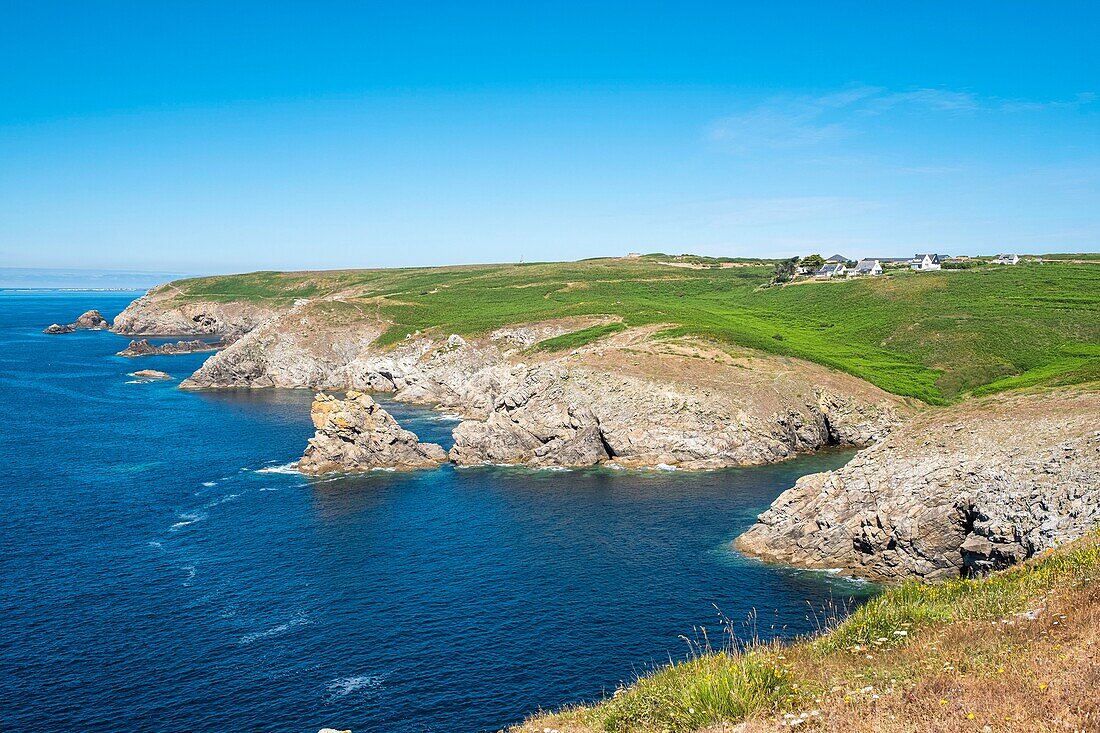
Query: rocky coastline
[934,493]
[963,491]
[629,399]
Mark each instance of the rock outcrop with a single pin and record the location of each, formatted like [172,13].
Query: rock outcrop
[357,434]
[964,490]
[142,347]
[150,374]
[92,320]
[159,313]
[647,408]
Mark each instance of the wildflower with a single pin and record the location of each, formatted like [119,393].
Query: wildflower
[1042,685]
[942,701]
[901,633]
[970,716]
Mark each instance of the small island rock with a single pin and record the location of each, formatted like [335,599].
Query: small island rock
[92,320]
[357,434]
[150,374]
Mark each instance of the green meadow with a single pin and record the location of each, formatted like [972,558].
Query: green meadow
[936,336]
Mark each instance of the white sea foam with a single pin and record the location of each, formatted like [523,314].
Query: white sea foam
[555,468]
[208,484]
[187,518]
[344,686]
[156,545]
[223,500]
[448,417]
[190,569]
[288,468]
[298,619]
[387,469]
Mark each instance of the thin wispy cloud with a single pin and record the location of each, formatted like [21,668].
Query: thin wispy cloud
[795,121]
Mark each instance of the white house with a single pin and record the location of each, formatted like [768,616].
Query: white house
[925,262]
[834,269]
[1006,259]
[866,267]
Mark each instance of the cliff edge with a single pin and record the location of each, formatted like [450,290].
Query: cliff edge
[965,490]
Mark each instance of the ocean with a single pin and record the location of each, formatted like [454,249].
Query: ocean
[165,569]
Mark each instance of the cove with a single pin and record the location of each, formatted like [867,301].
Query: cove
[165,570]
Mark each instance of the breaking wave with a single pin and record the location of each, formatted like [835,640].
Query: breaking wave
[299,619]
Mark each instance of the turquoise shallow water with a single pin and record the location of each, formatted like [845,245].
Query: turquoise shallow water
[164,571]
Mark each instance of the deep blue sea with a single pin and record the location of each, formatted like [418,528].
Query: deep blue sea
[164,571]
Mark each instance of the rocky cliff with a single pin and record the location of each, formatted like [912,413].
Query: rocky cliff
[357,434]
[161,312]
[629,398]
[964,490]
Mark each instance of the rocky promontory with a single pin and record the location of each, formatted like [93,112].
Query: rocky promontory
[142,347]
[631,399]
[965,490]
[160,313]
[357,434]
[92,320]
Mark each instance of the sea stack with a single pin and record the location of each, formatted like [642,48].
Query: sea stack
[357,434]
[92,320]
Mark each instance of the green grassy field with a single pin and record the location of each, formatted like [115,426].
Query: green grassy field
[934,336]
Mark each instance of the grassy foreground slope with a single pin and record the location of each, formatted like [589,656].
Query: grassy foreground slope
[934,336]
[1017,651]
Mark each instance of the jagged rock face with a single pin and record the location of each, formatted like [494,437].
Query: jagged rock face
[142,347]
[357,434]
[584,416]
[157,314]
[963,491]
[539,423]
[56,328]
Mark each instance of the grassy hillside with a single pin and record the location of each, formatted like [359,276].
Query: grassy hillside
[934,336]
[1013,652]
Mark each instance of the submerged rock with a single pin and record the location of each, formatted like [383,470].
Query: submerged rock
[92,320]
[142,347]
[151,374]
[965,490]
[357,434]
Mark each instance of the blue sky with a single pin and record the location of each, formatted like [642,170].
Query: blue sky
[215,137]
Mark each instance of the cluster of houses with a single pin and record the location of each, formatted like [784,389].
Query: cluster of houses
[837,265]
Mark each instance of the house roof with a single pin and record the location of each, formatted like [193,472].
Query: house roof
[831,268]
[866,265]
[934,257]
[837,258]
